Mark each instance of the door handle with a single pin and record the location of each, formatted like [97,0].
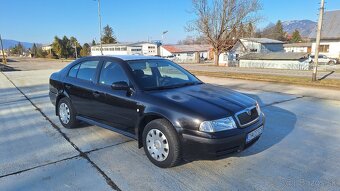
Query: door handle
[67,86]
[96,94]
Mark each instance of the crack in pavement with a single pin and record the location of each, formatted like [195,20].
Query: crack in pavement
[82,154]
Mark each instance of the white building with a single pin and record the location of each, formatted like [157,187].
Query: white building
[46,47]
[186,53]
[249,45]
[141,48]
[330,35]
[298,47]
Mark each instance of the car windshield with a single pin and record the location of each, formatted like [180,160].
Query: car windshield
[160,74]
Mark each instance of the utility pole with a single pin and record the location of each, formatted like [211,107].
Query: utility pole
[75,47]
[100,28]
[318,37]
[3,53]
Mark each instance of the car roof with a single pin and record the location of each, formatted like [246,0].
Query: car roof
[133,57]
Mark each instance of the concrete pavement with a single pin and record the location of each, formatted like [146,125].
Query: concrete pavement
[299,149]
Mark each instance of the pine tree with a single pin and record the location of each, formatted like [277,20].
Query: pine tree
[34,50]
[108,37]
[93,43]
[296,37]
[279,33]
[250,30]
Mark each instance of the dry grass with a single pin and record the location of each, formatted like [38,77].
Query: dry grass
[304,81]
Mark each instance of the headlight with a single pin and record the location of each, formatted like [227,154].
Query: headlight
[258,108]
[218,125]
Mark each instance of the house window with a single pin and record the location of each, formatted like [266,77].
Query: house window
[123,49]
[324,48]
[117,49]
[253,50]
[189,54]
[151,47]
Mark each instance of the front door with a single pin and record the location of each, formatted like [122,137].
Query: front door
[118,108]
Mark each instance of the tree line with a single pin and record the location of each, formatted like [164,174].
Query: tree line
[65,47]
[277,32]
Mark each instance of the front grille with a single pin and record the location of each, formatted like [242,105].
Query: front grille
[246,118]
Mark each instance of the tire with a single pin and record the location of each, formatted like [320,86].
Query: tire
[161,143]
[66,114]
[331,63]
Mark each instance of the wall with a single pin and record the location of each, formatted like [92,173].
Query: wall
[164,52]
[296,49]
[277,64]
[334,48]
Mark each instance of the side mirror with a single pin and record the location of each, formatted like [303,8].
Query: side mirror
[120,86]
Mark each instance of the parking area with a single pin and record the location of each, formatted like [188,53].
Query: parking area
[299,150]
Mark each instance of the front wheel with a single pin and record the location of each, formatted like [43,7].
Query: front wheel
[161,143]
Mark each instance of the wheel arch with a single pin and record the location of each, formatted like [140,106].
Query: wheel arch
[59,97]
[147,118]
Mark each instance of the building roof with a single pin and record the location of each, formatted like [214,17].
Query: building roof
[263,40]
[187,48]
[306,44]
[123,44]
[330,26]
[133,57]
[275,56]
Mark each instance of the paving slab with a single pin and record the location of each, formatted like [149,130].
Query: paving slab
[73,174]
[291,155]
[28,140]
[34,84]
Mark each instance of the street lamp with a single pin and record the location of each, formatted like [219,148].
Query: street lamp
[163,33]
[100,28]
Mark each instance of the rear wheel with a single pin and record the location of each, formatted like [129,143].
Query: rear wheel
[66,113]
[331,63]
[161,143]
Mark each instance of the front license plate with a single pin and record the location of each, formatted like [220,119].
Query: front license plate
[252,135]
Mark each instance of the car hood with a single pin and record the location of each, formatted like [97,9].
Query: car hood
[206,100]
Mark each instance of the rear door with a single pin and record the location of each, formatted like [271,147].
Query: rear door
[79,84]
[117,107]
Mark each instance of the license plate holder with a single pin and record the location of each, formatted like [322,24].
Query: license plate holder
[254,134]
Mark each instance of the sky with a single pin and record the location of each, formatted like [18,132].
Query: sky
[132,20]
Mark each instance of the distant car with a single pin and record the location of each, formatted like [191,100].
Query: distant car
[155,101]
[324,60]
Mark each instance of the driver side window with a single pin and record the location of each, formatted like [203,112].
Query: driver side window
[111,73]
[172,72]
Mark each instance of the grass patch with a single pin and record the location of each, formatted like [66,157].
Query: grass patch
[304,81]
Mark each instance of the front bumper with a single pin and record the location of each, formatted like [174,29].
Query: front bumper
[199,145]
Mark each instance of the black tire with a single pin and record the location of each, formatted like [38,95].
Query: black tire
[174,156]
[331,63]
[73,122]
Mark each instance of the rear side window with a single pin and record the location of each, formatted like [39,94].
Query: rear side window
[87,70]
[73,71]
[111,73]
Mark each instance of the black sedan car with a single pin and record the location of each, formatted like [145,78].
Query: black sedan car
[170,112]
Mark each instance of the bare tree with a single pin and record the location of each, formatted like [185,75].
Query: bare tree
[219,20]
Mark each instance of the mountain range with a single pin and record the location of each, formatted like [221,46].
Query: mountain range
[7,43]
[305,27]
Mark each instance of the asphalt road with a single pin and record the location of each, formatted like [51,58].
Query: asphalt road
[299,150]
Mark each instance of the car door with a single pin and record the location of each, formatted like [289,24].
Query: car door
[117,107]
[79,85]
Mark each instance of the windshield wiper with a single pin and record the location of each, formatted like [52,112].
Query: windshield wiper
[174,86]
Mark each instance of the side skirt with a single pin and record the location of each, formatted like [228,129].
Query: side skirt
[92,122]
